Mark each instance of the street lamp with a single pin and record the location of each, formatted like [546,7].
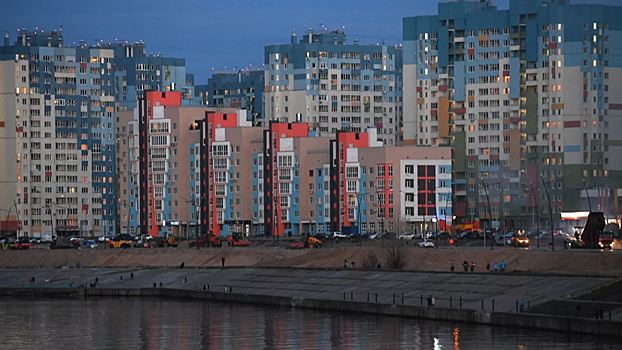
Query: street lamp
[535,200]
[550,212]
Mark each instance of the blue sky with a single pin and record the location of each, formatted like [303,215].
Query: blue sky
[216,34]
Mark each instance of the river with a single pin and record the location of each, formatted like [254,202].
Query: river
[152,324]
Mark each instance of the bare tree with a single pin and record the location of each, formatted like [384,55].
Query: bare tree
[371,260]
[395,258]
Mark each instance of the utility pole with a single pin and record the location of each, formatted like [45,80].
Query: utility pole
[550,212]
[589,202]
[535,210]
[489,215]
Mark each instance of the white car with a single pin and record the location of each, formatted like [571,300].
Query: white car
[103,239]
[407,236]
[426,243]
[339,234]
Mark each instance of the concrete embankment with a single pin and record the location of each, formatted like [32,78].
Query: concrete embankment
[570,325]
[417,259]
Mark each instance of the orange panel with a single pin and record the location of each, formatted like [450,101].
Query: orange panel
[420,101]
[558,106]
[471,99]
[410,142]
[443,117]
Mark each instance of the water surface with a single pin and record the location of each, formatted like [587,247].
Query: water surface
[171,324]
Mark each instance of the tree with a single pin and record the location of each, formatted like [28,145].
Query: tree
[371,260]
[395,258]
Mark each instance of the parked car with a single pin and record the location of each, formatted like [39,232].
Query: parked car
[426,243]
[91,244]
[443,234]
[35,240]
[103,239]
[339,234]
[406,236]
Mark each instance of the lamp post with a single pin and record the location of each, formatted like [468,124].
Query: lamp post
[589,202]
[489,215]
[550,212]
[535,200]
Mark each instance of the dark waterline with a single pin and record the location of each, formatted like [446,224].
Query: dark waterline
[170,324]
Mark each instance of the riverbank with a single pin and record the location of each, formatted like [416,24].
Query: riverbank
[570,325]
[417,259]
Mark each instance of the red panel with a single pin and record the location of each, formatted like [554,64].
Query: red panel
[85,207]
[471,157]
[1,124]
[471,52]
[378,125]
[82,65]
[572,124]
[443,88]
[461,209]
[434,112]
[419,89]
[553,144]
[506,73]
[9,225]
[553,70]
[615,106]
[460,110]
[48,174]
[495,156]
[552,45]
[515,120]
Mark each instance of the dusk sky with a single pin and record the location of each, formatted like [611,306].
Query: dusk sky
[216,34]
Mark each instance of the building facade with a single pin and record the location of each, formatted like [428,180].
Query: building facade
[158,171]
[57,122]
[332,85]
[524,97]
[388,189]
[136,72]
[240,90]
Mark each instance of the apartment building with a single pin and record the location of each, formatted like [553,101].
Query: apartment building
[56,136]
[136,72]
[239,89]
[524,97]
[229,142]
[332,85]
[157,157]
[393,189]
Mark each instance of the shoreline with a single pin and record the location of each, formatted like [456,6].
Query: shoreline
[574,325]
[578,263]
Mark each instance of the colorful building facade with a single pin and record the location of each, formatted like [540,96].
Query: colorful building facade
[525,99]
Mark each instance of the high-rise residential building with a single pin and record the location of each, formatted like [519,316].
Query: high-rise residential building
[229,142]
[332,85]
[240,90]
[156,159]
[136,72]
[525,97]
[57,137]
[303,184]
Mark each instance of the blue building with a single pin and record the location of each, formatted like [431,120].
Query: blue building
[525,96]
[136,71]
[240,90]
[334,85]
[57,136]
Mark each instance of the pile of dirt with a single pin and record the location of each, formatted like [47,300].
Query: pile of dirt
[575,262]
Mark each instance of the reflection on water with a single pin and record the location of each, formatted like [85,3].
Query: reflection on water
[170,324]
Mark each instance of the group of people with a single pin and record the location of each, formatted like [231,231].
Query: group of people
[470,266]
[31,280]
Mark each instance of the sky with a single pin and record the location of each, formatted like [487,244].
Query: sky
[218,35]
